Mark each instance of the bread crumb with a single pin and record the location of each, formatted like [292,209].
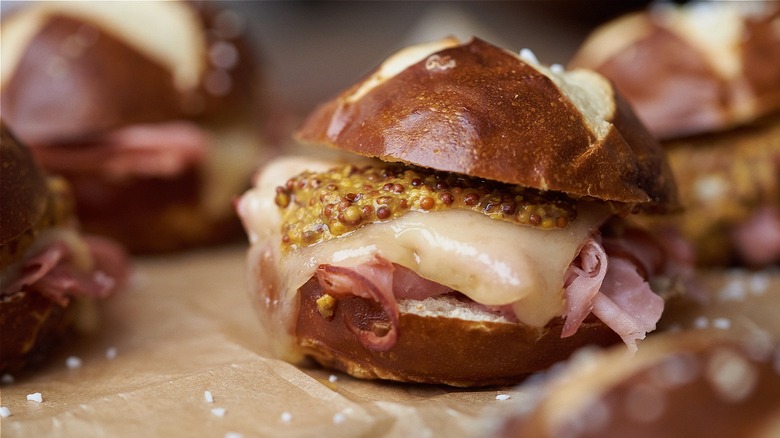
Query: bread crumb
[207,395]
[503,397]
[218,412]
[286,417]
[5,412]
[111,353]
[36,397]
[73,362]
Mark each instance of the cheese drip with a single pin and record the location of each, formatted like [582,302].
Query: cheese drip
[492,262]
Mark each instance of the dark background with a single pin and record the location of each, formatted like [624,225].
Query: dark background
[312,50]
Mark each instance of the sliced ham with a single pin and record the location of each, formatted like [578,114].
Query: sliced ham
[373,281]
[616,291]
[152,150]
[607,280]
[54,273]
[582,283]
[626,303]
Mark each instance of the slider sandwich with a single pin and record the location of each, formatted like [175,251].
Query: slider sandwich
[478,231]
[705,79]
[49,271]
[150,110]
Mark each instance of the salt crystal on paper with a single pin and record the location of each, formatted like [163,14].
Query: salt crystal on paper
[5,412]
[503,397]
[111,353]
[218,412]
[339,418]
[333,378]
[721,323]
[207,395]
[73,362]
[286,417]
[233,435]
[36,397]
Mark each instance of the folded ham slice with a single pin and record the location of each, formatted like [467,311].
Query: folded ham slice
[60,271]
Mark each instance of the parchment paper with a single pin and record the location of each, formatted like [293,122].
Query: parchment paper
[186,326]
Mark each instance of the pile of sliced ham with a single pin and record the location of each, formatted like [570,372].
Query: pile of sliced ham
[69,266]
[607,280]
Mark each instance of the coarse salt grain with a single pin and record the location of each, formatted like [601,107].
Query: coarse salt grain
[333,378]
[5,412]
[207,395]
[233,435]
[759,283]
[286,417]
[557,68]
[339,418]
[36,397]
[503,397]
[701,322]
[218,412]
[721,323]
[528,55]
[111,353]
[73,362]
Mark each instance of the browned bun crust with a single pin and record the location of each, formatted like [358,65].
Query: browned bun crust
[112,84]
[23,191]
[479,110]
[724,179]
[87,72]
[680,86]
[437,349]
[33,325]
[679,385]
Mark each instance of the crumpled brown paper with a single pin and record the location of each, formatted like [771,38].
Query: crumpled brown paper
[186,326]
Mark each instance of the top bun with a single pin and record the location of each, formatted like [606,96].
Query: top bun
[75,69]
[691,69]
[24,190]
[479,110]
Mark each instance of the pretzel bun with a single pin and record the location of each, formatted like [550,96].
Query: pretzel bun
[679,384]
[149,109]
[702,67]
[46,265]
[402,265]
[482,111]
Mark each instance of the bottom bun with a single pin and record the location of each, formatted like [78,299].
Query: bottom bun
[33,325]
[441,340]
